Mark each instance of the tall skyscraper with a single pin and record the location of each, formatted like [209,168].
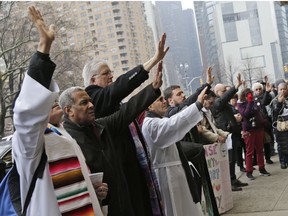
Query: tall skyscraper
[282,25]
[115,31]
[184,55]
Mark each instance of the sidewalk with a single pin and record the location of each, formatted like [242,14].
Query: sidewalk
[264,196]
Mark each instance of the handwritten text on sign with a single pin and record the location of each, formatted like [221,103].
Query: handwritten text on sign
[218,166]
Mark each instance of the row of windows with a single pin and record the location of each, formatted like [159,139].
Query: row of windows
[246,15]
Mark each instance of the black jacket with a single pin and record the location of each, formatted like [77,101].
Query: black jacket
[192,135]
[106,100]
[101,151]
[222,112]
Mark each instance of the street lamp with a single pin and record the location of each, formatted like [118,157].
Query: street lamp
[184,67]
[189,85]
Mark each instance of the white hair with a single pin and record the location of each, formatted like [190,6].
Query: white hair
[91,69]
[257,85]
[66,98]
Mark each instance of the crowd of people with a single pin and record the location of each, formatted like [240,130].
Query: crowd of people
[145,161]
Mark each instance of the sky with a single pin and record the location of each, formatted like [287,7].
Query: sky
[187,4]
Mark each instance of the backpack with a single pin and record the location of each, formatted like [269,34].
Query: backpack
[10,201]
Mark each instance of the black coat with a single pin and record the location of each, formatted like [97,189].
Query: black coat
[192,135]
[106,101]
[102,152]
[222,112]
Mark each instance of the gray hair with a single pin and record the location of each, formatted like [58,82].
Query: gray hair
[90,69]
[66,98]
[257,85]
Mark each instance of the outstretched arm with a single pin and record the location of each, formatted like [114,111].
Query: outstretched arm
[135,106]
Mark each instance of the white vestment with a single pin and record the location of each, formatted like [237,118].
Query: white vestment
[31,114]
[161,135]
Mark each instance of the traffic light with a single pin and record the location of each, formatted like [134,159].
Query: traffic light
[285,67]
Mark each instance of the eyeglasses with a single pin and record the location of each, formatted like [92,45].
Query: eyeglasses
[258,89]
[106,73]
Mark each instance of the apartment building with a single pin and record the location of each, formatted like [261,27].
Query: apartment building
[241,37]
[115,31]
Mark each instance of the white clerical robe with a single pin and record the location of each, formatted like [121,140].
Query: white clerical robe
[31,114]
[161,135]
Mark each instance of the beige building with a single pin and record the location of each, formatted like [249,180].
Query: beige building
[115,31]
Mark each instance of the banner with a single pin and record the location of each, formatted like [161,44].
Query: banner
[218,166]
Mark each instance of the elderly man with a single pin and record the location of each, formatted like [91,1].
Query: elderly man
[95,138]
[106,97]
[226,121]
[70,176]
[169,162]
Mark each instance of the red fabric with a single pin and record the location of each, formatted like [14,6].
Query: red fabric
[254,141]
[249,97]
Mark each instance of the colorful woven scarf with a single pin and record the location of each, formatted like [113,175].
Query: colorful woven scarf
[150,176]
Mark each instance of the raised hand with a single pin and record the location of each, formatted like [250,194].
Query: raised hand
[209,77]
[268,87]
[47,35]
[202,95]
[157,81]
[239,81]
[101,190]
[161,50]
[159,55]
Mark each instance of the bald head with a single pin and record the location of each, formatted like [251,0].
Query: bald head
[220,89]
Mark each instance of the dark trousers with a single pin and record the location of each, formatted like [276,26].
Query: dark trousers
[232,153]
[239,153]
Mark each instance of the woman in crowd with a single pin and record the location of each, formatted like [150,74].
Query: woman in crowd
[252,131]
[279,107]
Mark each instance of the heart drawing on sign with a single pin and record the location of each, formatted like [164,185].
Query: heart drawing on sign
[217,187]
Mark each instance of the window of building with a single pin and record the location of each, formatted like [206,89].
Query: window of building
[115,64]
[114,57]
[110,28]
[227,8]
[111,35]
[97,16]
[108,21]
[107,14]
[99,23]
[255,31]
[230,31]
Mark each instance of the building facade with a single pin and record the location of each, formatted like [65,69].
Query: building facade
[246,39]
[115,31]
